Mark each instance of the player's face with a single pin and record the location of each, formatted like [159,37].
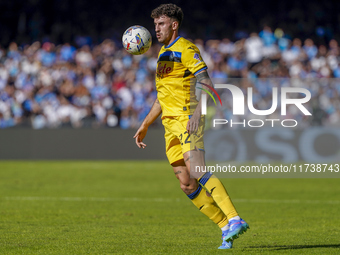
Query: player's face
[164,29]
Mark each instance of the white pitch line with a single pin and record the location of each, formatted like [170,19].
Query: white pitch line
[284,201]
[95,199]
[137,199]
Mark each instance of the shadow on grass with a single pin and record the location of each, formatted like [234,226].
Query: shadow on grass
[293,247]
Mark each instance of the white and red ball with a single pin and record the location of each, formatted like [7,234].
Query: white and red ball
[137,40]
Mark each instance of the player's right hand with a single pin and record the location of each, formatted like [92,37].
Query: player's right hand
[139,136]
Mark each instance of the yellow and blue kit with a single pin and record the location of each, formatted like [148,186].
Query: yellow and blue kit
[177,65]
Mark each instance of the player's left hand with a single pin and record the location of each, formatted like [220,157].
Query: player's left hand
[194,122]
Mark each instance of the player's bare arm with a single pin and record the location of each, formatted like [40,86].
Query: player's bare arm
[155,111]
[202,78]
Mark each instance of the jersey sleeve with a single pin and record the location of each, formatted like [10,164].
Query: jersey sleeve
[192,59]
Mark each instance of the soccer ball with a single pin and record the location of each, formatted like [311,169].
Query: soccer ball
[137,40]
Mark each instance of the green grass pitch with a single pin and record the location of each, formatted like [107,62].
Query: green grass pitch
[137,207]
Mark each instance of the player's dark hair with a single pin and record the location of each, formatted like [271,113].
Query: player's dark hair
[170,10]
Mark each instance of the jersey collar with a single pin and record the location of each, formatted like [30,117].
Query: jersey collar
[172,42]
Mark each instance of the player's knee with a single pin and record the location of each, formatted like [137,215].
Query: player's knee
[189,187]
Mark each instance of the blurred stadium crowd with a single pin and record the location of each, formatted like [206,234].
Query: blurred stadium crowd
[48,86]
[93,82]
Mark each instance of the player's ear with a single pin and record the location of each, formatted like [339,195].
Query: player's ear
[175,25]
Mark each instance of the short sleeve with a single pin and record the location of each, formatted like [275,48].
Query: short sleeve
[192,59]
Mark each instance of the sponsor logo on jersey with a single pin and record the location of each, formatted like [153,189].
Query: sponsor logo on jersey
[163,69]
[198,58]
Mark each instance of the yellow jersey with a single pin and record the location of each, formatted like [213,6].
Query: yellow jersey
[177,65]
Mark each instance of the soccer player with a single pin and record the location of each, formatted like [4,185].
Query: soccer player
[179,64]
